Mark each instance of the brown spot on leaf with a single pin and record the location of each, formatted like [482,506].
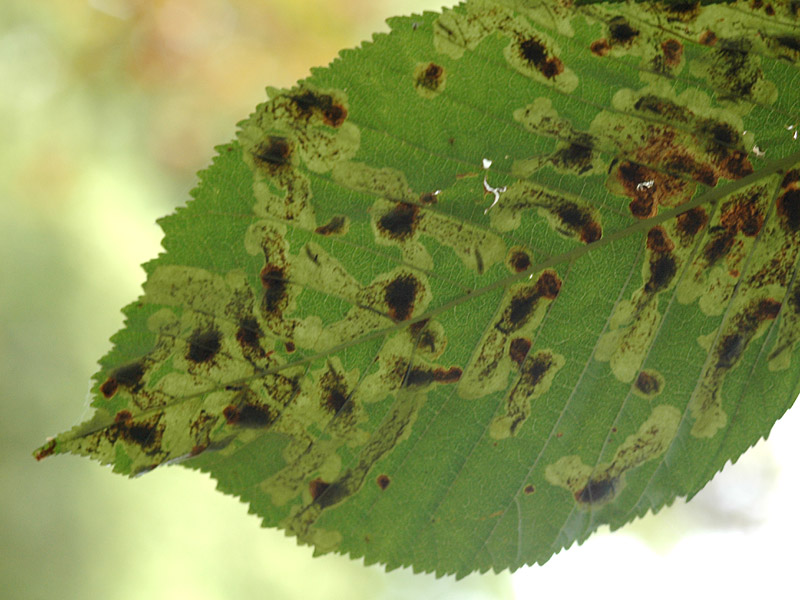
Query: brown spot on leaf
[400,222]
[745,325]
[579,219]
[308,103]
[548,285]
[289,347]
[690,223]
[743,214]
[145,433]
[621,32]
[400,295]
[430,77]
[658,240]
[518,350]
[577,156]
[534,52]
[524,301]
[529,489]
[317,487]
[273,154]
[418,376]
[123,416]
[648,383]
[600,47]
[248,336]
[333,389]
[519,260]
[203,345]
[788,207]
[708,38]
[383,481]
[663,269]
[249,415]
[673,51]
[128,376]
[336,225]
[273,280]
[791,177]
[681,11]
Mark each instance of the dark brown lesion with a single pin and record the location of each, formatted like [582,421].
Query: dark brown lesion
[274,154]
[598,491]
[400,296]
[535,53]
[399,223]
[742,329]
[247,412]
[145,433]
[203,345]
[336,226]
[578,220]
[128,376]
[334,391]
[518,350]
[525,300]
[430,77]
[307,104]
[419,376]
[621,33]
[518,260]
[576,156]
[673,52]
[275,282]
[743,214]
[649,383]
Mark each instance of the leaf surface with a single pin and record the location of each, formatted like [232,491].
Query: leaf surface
[506,274]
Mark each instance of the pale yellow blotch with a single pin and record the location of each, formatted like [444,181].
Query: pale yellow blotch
[384,182]
[706,408]
[488,370]
[625,346]
[650,441]
[192,287]
[467,241]
[455,32]
[313,267]
[519,402]
[568,472]
[541,116]
[294,206]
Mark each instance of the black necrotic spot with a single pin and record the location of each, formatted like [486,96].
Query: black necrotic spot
[662,271]
[399,222]
[597,491]
[400,295]
[789,41]
[621,31]
[275,152]
[203,345]
[730,349]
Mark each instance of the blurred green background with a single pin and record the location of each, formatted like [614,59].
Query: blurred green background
[108,108]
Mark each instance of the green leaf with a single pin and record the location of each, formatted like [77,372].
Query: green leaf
[494,279]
